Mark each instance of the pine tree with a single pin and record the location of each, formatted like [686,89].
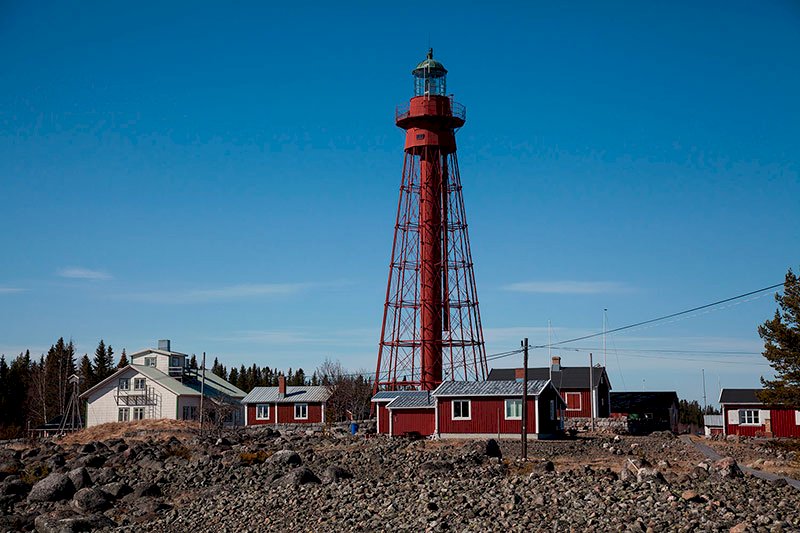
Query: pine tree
[233,377]
[781,337]
[103,363]
[193,362]
[110,358]
[123,359]
[4,398]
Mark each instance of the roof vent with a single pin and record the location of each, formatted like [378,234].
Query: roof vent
[164,345]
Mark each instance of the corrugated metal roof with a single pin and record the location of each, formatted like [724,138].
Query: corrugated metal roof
[712,420]
[569,377]
[388,394]
[164,380]
[739,396]
[489,388]
[293,394]
[215,386]
[412,399]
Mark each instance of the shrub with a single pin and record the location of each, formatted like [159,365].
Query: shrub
[252,458]
[34,473]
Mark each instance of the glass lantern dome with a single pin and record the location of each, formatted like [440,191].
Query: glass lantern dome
[430,77]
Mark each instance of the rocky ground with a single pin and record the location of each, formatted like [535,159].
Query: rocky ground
[262,480]
[776,456]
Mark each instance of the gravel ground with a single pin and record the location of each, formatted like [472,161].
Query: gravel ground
[259,480]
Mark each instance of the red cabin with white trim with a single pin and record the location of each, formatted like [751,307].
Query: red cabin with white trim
[286,404]
[744,414]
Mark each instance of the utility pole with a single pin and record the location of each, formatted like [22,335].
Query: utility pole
[705,402]
[202,390]
[605,327]
[591,388]
[525,399]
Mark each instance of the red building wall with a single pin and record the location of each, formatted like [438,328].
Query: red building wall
[383,418]
[585,404]
[784,423]
[422,421]
[740,429]
[285,414]
[487,416]
[251,415]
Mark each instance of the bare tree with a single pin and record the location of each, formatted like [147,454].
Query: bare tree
[350,392]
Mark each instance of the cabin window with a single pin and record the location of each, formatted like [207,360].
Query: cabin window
[552,409]
[138,413]
[300,411]
[189,412]
[124,414]
[749,416]
[124,384]
[138,384]
[176,361]
[513,409]
[461,409]
[573,400]
[262,411]
[149,361]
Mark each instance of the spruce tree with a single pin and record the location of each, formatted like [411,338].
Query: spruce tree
[781,337]
[123,359]
[103,363]
[86,372]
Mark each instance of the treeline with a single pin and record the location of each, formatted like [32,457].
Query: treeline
[34,391]
[692,413]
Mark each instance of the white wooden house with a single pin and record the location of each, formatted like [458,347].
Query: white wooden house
[158,384]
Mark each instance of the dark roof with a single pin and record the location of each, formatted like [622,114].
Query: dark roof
[489,388]
[628,402]
[569,377]
[412,399]
[739,396]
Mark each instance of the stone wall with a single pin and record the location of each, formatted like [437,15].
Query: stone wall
[616,426]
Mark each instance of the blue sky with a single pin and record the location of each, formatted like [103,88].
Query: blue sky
[226,177]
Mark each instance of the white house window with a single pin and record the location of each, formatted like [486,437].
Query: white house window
[138,384]
[262,411]
[149,361]
[461,410]
[124,384]
[749,416]
[513,410]
[189,412]
[176,361]
[124,414]
[138,413]
[301,411]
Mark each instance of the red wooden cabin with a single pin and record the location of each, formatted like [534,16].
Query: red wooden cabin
[744,414]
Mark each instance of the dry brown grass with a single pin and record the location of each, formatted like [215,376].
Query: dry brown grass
[254,457]
[149,430]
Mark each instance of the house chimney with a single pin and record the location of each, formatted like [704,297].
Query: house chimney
[282,386]
[163,344]
[556,364]
[519,375]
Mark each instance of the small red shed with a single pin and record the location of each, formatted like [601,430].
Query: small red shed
[744,414]
[285,404]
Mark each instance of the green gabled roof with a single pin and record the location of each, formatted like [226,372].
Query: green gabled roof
[430,65]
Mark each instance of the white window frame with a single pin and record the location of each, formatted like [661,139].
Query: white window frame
[259,415]
[123,414]
[124,384]
[150,361]
[508,403]
[580,401]
[138,413]
[749,417]
[468,403]
[139,384]
[304,411]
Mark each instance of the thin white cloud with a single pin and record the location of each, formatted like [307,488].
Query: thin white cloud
[215,294]
[84,273]
[569,287]
[11,290]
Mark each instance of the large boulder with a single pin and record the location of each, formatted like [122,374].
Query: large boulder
[90,500]
[334,474]
[80,478]
[297,477]
[146,489]
[493,449]
[285,458]
[53,488]
[727,467]
[57,523]
[116,489]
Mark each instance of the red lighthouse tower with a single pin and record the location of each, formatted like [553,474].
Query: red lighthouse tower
[431,323]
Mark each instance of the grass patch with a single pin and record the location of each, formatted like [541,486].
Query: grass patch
[254,458]
[179,451]
[34,473]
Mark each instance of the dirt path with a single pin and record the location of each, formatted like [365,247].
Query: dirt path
[712,454]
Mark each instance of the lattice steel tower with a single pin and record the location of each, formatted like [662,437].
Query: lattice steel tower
[431,323]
